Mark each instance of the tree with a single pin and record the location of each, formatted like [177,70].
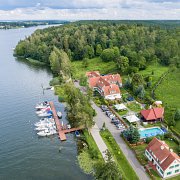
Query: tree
[108,55]
[98,50]
[80,112]
[132,135]
[108,170]
[177,115]
[123,63]
[140,92]
[54,61]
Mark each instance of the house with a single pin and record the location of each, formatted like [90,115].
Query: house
[163,159]
[152,115]
[106,85]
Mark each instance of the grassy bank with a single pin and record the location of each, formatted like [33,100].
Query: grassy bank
[89,155]
[124,166]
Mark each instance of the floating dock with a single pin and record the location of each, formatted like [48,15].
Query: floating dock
[61,132]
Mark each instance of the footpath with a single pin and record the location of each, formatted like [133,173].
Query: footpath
[130,156]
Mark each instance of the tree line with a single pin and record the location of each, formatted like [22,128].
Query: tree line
[131,46]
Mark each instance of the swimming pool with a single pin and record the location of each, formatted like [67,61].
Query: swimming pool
[149,132]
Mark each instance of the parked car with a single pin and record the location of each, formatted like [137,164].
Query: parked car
[112,116]
[107,112]
[115,121]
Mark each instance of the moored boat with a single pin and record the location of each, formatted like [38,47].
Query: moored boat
[77,134]
[59,114]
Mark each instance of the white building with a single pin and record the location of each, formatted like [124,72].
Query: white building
[106,85]
[166,162]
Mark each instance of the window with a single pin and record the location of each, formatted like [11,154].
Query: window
[176,170]
[161,171]
[177,165]
[171,167]
[168,173]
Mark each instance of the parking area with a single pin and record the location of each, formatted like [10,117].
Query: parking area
[113,118]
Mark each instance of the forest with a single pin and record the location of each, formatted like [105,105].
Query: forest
[131,46]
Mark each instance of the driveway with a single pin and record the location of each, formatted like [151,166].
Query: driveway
[100,119]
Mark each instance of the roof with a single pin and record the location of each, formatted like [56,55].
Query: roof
[111,89]
[111,78]
[93,81]
[120,106]
[154,113]
[162,152]
[132,118]
[92,74]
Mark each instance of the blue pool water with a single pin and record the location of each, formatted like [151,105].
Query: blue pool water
[149,132]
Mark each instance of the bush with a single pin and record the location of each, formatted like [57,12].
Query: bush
[54,81]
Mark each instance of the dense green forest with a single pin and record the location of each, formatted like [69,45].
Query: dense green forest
[131,46]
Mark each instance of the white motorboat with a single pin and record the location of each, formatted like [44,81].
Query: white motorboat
[41,128]
[42,105]
[59,114]
[45,114]
[47,132]
[68,126]
[44,120]
[43,110]
[52,89]
[38,124]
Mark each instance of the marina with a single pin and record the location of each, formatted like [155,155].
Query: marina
[61,131]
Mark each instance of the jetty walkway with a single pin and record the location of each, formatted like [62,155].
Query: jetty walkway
[61,132]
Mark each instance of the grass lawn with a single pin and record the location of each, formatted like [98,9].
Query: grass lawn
[172,145]
[168,92]
[134,106]
[95,64]
[155,174]
[140,149]
[124,166]
[121,113]
[158,72]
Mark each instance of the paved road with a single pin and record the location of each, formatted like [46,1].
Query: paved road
[100,119]
[98,139]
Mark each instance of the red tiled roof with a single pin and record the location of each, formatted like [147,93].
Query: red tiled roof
[112,78]
[93,81]
[112,89]
[154,113]
[162,153]
[106,83]
[92,74]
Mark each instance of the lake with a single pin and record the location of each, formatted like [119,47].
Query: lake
[23,155]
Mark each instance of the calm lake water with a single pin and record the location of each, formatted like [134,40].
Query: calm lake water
[23,155]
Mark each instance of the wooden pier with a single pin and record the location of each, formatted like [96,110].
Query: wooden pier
[61,132]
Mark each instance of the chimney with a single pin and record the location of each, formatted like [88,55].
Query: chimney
[162,147]
[171,150]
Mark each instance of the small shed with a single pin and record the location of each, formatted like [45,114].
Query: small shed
[132,118]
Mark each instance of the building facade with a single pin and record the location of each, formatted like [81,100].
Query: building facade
[106,85]
[165,161]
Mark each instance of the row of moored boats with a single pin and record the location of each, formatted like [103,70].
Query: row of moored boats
[46,126]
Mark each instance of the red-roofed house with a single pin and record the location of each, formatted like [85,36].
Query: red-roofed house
[152,115]
[107,85]
[166,162]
